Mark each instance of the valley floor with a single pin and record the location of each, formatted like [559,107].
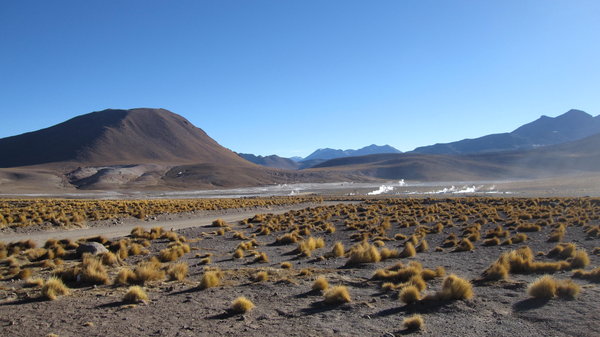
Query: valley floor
[285,303]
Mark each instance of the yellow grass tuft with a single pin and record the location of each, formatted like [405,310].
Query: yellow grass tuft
[261,276]
[423,246]
[261,257]
[210,279]
[320,284]
[338,249]
[544,287]
[241,305]
[337,295]
[455,288]
[125,276]
[178,271]
[148,271]
[580,259]
[567,289]
[286,265]
[410,294]
[110,259]
[414,322]
[409,250]
[34,283]
[53,288]
[363,253]
[464,245]
[135,294]
[592,275]
[497,271]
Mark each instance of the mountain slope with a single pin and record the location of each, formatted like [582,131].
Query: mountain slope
[570,126]
[113,137]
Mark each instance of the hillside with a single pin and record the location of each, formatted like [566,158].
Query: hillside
[570,126]
[112,137]
[130,149]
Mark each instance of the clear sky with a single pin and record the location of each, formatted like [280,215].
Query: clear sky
[287,77]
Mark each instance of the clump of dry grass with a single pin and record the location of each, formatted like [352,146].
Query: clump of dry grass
[261,276]
[241,305]
[410,294]
[455,288]
[286,265]
[210,279]
[338,249]
[337,295]
[149,271]
[423,246]
[261,257]
[363,253]
[178,271]
[580,259]
[53,288]
[93,271]
[238,253]
[125,276]
[592,275]
[23,274]
[409,250]
[34,283]
[464,245]
[491,242]
[567,289]
[135,294]
[387,253]
[305,247]
[543,287]
[497,271]
[413,323]
[320,284]
[110,259]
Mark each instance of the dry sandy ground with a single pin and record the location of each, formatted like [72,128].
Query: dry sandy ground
[123,226]
[285,305]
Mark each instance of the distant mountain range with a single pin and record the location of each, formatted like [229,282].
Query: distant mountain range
[157,149]
[274,161]
[328,153]
[570,126]
[315,158]
[554,160]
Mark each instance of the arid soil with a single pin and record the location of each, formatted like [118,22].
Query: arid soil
[122,226]
[285,303]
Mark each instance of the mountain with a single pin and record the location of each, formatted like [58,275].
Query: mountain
[125,149]
[579,156]
[570,126]
[327,153]
[113,137]
[271,161]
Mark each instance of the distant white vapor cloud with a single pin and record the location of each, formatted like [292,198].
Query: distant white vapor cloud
[382,189]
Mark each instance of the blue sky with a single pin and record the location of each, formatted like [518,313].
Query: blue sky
[288,77]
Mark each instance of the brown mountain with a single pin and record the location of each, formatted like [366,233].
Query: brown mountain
[124,149]
[111,137]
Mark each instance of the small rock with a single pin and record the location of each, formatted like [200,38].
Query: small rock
[93,248]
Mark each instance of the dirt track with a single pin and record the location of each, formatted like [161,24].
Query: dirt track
[113,228]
